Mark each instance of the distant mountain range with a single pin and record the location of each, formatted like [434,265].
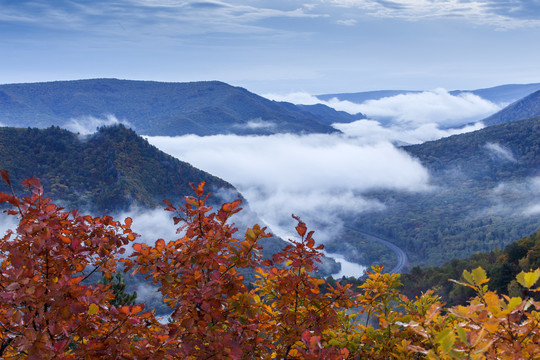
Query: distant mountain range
[501,95]
[479,177]
[159,108]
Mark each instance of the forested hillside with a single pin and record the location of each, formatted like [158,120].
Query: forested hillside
[524,108]
[158,108]
[485,195]
[107,171]
[501,265]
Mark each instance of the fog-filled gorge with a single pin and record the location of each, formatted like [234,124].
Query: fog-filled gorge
[323,178]
[212,179]
[316,177]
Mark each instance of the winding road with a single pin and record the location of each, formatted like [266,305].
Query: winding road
[400,254]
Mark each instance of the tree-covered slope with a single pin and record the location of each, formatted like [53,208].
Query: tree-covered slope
[501,265]
[107,171]
[503,152]
[485,194]
[158,108]
[524,108]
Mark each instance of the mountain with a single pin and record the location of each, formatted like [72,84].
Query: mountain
[485,194]
[501,95]
[158,108]
[527,107]
[360,97]
[106,172]
[329,116]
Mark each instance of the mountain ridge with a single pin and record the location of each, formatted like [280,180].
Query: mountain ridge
[108,171]
[501,94]
[159,108]
[524,108]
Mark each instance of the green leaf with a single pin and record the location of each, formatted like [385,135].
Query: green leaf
[446,339]
[462,335]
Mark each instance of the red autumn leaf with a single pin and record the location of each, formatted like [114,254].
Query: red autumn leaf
[31,182]
[301,227]
[137,247]
[199,190]
[5,176]
[169,207]
[160,244]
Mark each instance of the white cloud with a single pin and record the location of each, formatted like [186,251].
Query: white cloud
[257,124]
[317,177]
[159,18]
[437,106]
[371,131]
[408,118]
[294,162]
[515,199]
[500,152]
[348,22]
[150,224]
[485,12]
[7,222]
[86,125]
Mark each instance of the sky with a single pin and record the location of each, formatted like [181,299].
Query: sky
[275,46]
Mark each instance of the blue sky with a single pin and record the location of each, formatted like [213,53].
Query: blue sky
[316,46]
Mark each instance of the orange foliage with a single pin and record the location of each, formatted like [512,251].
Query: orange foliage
[49,310]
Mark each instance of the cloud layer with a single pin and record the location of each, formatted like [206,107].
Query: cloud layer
[437,106]
[501,14]
[373,131]
[317,177]
[515,199]
[407,118]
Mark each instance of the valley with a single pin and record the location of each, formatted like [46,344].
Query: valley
[264,180]
[369,201]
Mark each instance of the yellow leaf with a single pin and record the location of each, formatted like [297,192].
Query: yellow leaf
[93,309]
[514,302]
[528,279]
[479,276]
[250,235]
